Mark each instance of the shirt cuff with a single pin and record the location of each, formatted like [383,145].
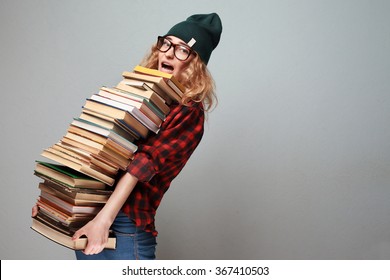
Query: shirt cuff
[141,168]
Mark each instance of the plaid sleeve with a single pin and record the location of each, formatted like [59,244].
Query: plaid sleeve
[141,167]
[169,150]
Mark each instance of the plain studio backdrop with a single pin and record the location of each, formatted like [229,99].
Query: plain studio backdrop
[295,160]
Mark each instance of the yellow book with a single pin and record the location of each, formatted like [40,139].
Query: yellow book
[159,81]
[169,78]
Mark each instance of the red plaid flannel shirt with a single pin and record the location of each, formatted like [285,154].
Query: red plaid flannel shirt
[159,160]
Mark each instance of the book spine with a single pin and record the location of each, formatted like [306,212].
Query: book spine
[87,171]
[178,91]
[135,112]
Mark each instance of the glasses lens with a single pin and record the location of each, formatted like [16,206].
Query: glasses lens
[181,52]
[163,44]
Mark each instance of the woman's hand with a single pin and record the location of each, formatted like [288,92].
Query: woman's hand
[34,210]
[96,232]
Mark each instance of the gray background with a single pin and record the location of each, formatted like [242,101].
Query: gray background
[295,161]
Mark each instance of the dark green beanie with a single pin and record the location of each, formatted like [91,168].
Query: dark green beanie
[201,32]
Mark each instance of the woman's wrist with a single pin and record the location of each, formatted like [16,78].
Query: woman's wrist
[105,219]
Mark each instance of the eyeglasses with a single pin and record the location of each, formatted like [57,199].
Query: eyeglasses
[181,52]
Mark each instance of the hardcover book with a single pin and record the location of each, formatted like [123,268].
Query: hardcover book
[64,239]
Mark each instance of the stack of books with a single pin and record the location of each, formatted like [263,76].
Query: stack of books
[98,144]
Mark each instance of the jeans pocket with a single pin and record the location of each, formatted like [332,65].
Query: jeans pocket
[145,244]
[137,246]
[125,245]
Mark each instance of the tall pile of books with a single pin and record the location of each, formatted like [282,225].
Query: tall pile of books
[98,144]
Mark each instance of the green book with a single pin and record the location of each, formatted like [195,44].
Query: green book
[67,175]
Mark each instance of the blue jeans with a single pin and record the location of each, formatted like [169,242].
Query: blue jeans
[132,243]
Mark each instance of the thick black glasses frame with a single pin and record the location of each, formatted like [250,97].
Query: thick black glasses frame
[161,39]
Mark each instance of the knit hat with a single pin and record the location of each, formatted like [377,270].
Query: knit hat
[201,32]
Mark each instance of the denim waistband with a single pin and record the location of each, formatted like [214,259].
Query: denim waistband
[124,224]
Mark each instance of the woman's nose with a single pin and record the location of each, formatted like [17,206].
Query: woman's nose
[170,53]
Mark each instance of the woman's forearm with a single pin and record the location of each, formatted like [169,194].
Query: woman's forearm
[122,191]
[96,230]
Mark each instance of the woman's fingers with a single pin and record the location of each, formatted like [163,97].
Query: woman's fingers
[34,210]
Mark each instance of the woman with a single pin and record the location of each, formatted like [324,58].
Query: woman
[184,52]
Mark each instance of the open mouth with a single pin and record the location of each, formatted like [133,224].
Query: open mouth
[166,67]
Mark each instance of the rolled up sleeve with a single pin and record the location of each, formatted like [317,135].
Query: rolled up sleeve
[168,151]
